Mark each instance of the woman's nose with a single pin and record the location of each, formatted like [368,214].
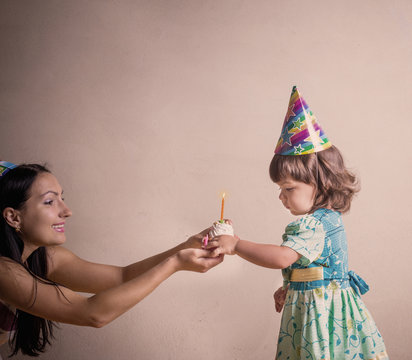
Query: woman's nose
[65,211]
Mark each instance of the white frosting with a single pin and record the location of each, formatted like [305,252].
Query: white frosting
[219,228]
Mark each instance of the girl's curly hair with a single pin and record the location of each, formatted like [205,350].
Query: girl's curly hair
[335,184]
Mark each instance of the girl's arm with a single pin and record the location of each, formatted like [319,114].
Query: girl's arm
[266,255]
[80,275]
[22,290]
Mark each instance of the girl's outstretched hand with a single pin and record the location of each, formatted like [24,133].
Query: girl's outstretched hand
[198,260]
[223,244]
[280,296]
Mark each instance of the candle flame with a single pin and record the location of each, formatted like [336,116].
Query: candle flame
[223,195]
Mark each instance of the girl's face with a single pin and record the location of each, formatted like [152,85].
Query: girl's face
[296,196]
[43,216]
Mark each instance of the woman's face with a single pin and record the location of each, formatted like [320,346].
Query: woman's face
[43,216]
[296,196]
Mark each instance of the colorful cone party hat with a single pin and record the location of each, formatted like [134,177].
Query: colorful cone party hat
[6,166]
[301,133]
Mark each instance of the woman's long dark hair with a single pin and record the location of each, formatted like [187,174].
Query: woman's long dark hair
[32,332]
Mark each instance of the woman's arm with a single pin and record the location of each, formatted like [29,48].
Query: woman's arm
[80,275]
[22,290]
[266,255]
[140,267]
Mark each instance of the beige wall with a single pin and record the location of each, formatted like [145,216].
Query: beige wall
[147,110]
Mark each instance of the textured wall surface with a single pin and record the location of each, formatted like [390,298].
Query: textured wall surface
[147,110]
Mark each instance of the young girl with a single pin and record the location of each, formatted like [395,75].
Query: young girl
[33,265]
[324,316]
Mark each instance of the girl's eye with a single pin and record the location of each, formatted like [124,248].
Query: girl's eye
[48,202]
[290,189]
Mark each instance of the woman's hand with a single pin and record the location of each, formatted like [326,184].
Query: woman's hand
[195,241]
[280,296]
[198,260]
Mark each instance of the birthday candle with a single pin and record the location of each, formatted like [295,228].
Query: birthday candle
[223,207]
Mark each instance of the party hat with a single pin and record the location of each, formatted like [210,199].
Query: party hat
[6,166]
[301,133]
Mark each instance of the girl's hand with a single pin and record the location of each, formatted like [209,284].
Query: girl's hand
[280,296]
[197,241]
[197,260]
[223,244]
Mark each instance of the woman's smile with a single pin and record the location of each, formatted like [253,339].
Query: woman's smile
[59,227]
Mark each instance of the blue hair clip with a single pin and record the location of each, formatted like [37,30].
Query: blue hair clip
[5,167]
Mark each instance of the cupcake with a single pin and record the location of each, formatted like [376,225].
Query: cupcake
[221,228]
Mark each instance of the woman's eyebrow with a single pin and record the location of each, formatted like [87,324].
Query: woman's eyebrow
[51,191]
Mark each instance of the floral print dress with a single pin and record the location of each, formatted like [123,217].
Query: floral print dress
[325,319]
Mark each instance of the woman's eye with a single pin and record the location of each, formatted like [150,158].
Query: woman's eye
[48,202]
[290,189]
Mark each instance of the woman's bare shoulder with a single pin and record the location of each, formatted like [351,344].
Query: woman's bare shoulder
[8,265]
[14,281]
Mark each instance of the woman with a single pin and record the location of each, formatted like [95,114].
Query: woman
[39,279]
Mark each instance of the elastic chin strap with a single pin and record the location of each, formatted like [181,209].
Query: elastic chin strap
[317,171]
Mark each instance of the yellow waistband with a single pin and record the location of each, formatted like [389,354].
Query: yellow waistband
[308,274]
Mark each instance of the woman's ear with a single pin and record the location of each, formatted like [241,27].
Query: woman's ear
[12,217]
